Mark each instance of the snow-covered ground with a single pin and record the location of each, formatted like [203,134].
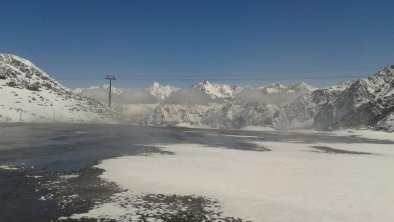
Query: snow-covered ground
[295,181]
[21,104]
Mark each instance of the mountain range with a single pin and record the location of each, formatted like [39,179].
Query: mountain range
[366,102]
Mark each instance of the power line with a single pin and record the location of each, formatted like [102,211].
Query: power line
[226,79]
[262,76]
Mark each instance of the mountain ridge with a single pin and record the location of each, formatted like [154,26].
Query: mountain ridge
[366,102]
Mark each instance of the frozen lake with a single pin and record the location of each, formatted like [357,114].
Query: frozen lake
[130,173]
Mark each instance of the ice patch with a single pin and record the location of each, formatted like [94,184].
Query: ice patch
[7,167]
[70,176]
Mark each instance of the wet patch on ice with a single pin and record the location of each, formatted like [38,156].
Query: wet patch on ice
[326,149]
[46,196]
[149,150]
[252,146]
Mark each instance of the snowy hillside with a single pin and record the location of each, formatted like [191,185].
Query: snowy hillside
[29,94]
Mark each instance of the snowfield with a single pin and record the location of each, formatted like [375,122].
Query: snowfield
[294,181]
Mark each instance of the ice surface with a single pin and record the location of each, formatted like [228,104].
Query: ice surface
[293,182]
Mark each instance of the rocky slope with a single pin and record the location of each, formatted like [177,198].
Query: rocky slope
[301,112]
[30,94]
[367,102]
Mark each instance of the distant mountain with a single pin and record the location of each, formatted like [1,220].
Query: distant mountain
[161,92]
[155,93]
[301,112]
[217,90]
[276,88]
[366,102]
[30,94]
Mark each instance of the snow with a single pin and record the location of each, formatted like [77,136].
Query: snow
[161,92]
[276,88]
[193,126]
[258,128]
[217,90]
[7,167]
[18,104]
[46,101]
[70,176]
[293,182]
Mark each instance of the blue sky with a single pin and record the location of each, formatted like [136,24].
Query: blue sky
[181,42]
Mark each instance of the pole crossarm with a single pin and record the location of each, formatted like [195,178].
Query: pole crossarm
[110,77]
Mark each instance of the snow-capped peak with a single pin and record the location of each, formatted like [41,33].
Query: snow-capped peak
[159,91]
[296,88]
[217,90]
[301,86]
[273,88]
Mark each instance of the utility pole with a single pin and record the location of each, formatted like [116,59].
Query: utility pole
[110,77]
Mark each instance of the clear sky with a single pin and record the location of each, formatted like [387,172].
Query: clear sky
[182,42]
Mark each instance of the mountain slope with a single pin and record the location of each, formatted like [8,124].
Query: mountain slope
[301,112]
[30,94]
[365,102]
